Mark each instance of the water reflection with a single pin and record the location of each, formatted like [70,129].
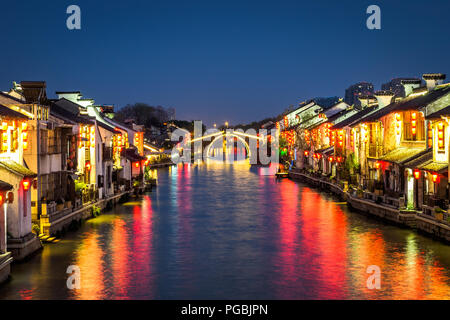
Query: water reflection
[215,230]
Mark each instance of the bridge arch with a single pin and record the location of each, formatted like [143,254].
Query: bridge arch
[224,135]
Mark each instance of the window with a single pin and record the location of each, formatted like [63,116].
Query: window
[413,126]
[372,139]
[440,137]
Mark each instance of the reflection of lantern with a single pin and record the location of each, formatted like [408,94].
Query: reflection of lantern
[416,174]
[26,185]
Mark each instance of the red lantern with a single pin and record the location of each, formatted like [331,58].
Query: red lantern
[330,159]
[377,165]
[435,177]
[26,185]
[306,153]
[136,164]
[416,174]
[88,166]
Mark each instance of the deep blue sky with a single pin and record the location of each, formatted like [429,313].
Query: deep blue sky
[219,60]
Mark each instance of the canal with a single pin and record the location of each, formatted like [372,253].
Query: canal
[216,231]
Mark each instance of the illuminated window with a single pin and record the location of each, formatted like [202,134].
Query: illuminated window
[430,136]
[413,126]
[440,137]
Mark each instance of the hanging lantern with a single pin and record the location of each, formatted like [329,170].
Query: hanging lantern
[440,135]
[435,177]
[416,174]
[306,153]
[330,159]
[377,165]
[136,164]
[88,166]
[414,123]
[26,185]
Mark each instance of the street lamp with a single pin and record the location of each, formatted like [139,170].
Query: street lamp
[226,124]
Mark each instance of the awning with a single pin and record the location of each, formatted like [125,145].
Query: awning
[326,151]
[401,155]
[5,186]
[132,155]
[425,162]
[438,167]
[17,169]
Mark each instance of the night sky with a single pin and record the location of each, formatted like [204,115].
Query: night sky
[219,60]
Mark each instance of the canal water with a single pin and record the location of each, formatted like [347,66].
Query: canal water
[216,231]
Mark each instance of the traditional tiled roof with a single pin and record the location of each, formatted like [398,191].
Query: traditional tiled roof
[434,76]
[7,99]
[68,106]
[68,110]
[16,168]
[350,120]
[107,127]
[132,155]
[439,167]
[402,155]
[425,162]
[5,186]
[9,113]
[437,115]
[409,103]
[326,151]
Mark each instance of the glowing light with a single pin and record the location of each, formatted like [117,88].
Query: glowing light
[435,177]
[377,165]
[26,185]
[440,136]
[413,123]
[416,174]
[88,166]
